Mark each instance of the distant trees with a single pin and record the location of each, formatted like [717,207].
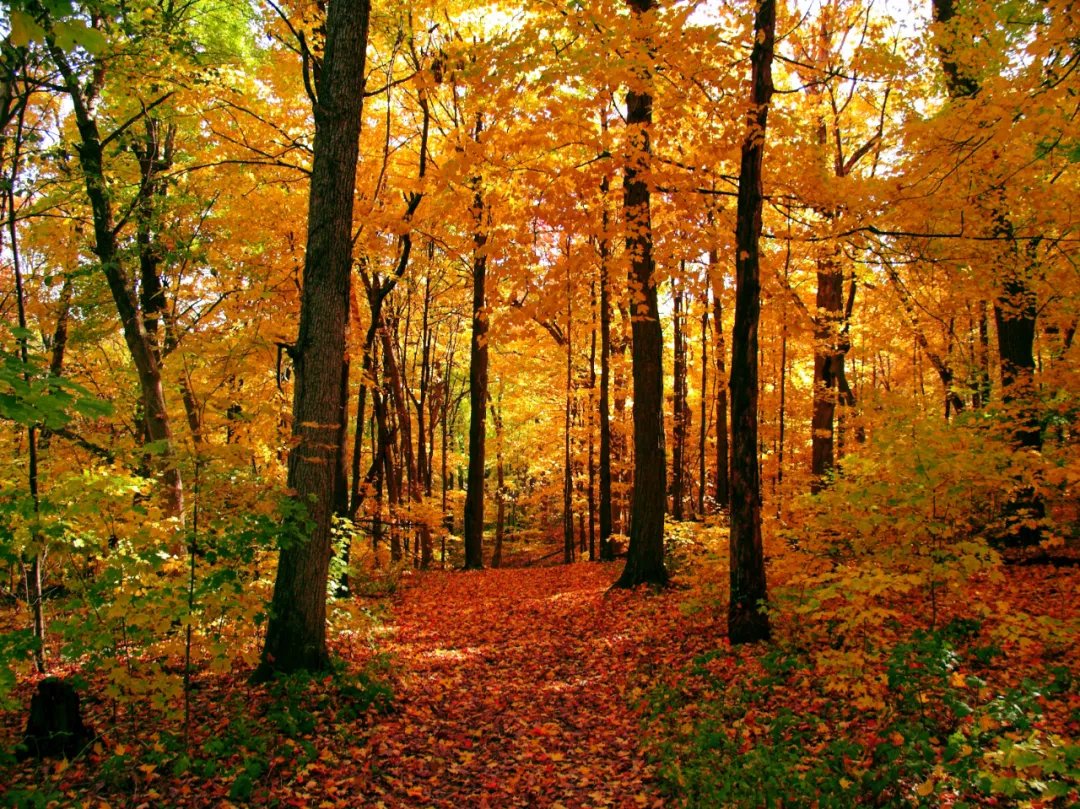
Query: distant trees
[159,219]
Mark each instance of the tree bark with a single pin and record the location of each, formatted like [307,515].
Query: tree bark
[645,555]
[1015,315]
[723,497]
[139,342]
[478,385]
[679,408]
[591,500]
[32,571]
[830,379]
[568,469]
[296,632]
[703,429]
[747,621]
[606,554]
[500,496]
[412,476]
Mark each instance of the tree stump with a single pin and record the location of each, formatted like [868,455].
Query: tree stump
[55,727]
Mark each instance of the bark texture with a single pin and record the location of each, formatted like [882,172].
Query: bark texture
[606,551]
[747,622]
[645,555]
[478,390]
[296,633]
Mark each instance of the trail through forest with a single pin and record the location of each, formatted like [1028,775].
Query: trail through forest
[518,691]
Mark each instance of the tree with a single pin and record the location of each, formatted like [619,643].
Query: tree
[645,555]
[723,476]
[296,633]
[747,622]
[478,380]
[680,407]
[1015,303]
[84,94]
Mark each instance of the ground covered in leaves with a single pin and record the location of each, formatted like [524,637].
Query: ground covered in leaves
[512,687]
[541,687]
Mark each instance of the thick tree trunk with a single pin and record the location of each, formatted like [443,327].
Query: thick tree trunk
[747,621]
[1015,313]
[645,555]
[296,633]
[478,390]
[829,375]
[155,155]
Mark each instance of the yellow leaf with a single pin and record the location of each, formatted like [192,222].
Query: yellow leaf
[925,788]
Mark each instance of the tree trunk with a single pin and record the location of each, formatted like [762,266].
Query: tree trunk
[747,621]
[478,382]
[1015,315]
[983,389]
[645,555]
[500,492]
[139,342]
[32,571]
[606,554]
[414,484]
[679,408]
[568,470]
[296,633]
[723,498]
[703,430]
[592,439]
[385,449]
[828,368]
[155,155]
[783,413]
[620,439]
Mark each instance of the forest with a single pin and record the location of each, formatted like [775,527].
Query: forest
[623,403]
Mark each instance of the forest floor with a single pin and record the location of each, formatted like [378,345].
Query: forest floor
[542,687]
[512,687]
[519,690]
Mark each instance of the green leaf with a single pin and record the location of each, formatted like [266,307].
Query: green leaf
[24,30]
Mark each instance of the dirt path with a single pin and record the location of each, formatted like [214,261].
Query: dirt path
[515,692]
